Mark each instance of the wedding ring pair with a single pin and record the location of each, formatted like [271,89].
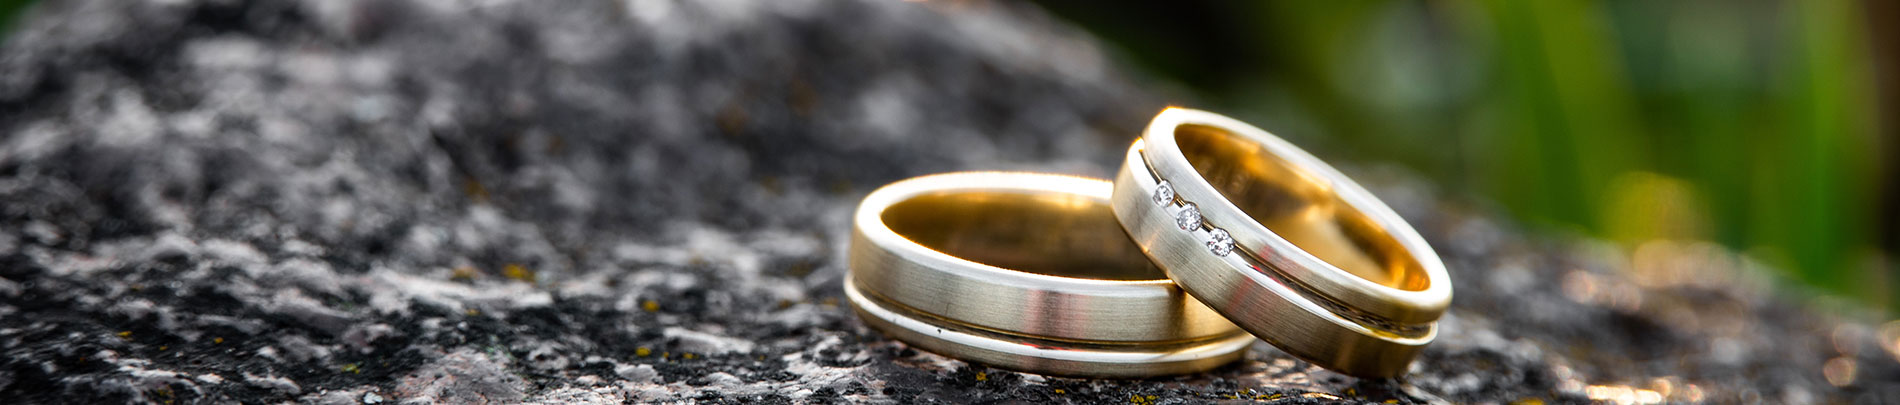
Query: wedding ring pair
[1213,232]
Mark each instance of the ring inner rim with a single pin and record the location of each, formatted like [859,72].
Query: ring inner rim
[1300,206]
[1054,234]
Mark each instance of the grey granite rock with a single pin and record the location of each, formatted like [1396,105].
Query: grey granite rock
[371,201]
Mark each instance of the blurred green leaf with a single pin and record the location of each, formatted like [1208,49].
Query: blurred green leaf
[1749,123]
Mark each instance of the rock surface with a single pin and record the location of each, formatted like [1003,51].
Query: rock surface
[370,201]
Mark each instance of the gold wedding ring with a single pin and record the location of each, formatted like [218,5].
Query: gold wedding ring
[1038,273]
[1280,243]
[1028,272]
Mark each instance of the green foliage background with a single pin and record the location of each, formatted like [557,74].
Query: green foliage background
[1749,123]
[9,8]
[1752,123]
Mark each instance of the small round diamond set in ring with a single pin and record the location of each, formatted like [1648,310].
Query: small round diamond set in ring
[1189,219]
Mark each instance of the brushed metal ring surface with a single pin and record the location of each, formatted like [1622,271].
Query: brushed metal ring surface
[1057,357]
[1281,243]
[1026,254]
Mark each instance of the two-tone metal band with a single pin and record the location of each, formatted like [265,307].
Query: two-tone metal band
[1025,271]
[1339,279]
[1059,357]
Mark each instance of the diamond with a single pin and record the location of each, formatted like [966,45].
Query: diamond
[1189,218]
[1164,193]
[1220,243]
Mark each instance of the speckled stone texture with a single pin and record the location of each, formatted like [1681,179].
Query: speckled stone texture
[367,201]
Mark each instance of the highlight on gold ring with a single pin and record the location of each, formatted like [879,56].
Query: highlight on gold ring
[1025,271]
[1281,243]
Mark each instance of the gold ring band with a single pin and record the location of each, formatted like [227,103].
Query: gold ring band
[1058,357]
[1032,256]
[1281,243]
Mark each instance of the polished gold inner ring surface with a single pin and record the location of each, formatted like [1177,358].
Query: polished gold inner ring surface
[1281,243]
[1035,259]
